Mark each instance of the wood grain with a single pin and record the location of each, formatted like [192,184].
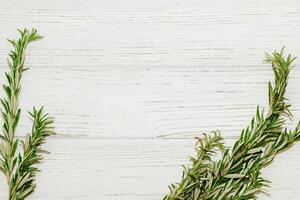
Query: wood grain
[131,83]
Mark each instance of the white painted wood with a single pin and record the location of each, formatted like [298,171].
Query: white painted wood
[132,82]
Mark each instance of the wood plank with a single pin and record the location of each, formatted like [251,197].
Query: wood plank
[135,169]
[159,102]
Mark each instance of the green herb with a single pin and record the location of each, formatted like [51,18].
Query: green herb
[18,165]
[237,175]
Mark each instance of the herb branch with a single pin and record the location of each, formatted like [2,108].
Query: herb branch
[237,175]
[17,165]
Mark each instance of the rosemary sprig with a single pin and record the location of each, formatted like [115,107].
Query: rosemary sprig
[19,167]
[237,175]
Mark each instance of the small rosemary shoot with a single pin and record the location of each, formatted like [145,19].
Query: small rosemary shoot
[18,165]
[237,175]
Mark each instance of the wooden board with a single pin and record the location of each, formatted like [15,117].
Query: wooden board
[131,83]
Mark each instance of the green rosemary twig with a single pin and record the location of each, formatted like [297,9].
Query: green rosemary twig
[237,175]
[19,167]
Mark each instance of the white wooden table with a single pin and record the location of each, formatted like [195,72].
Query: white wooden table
[131,83]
